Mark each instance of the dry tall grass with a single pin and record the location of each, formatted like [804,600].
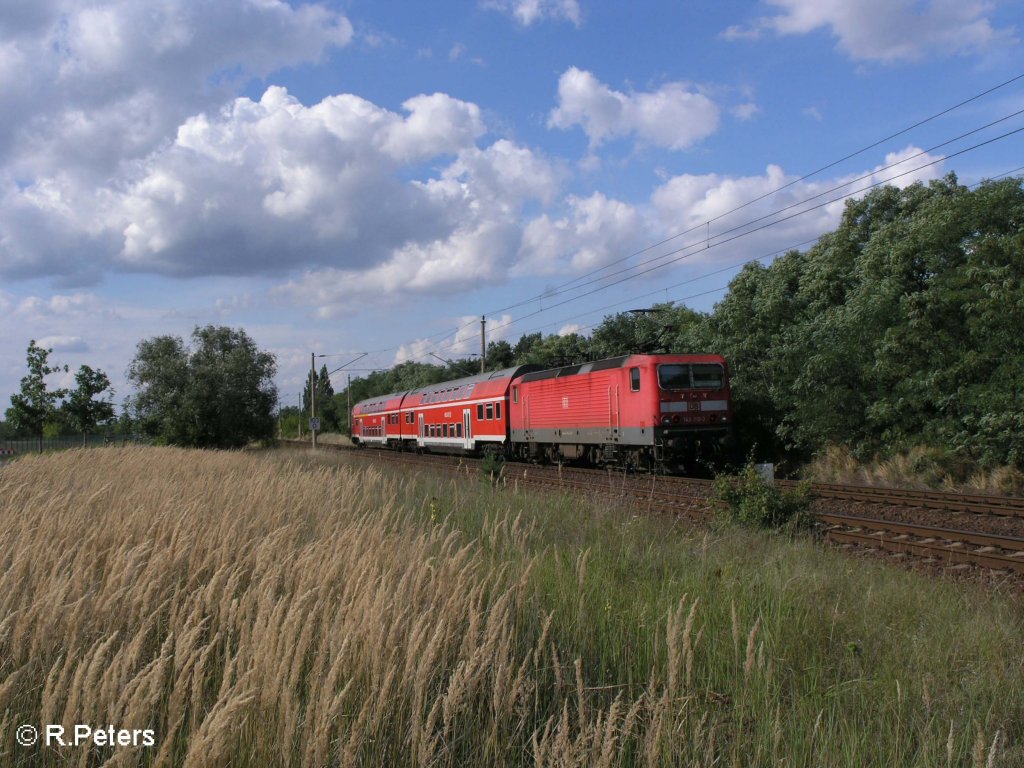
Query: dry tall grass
[260,611]
[255,616]
[917,468]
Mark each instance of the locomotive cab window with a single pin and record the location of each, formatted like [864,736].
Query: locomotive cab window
[695,376]
[674,376]
[515,394]
[634,379]
[707,375]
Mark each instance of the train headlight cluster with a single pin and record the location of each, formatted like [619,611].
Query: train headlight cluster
[666,420]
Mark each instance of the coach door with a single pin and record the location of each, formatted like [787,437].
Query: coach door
[467,428]
[421,433]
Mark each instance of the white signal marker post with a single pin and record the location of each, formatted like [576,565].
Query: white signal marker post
[483,341]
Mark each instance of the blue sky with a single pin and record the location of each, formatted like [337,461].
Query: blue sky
[349,177]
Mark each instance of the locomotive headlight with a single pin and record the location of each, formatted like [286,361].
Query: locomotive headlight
[666,420]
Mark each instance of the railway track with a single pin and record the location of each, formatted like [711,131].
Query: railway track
[1004,506]
[937,545]
[691,498]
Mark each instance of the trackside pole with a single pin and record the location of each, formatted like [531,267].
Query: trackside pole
[312,396]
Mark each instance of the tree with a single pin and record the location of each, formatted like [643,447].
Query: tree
[554,351]
[898,329]
[82,411]
[499,355]
[217,393]
[324,390]
[35,405]
[641,331]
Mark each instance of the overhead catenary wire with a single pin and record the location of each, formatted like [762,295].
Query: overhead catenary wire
[771,192]
[565,287]
[739,235]
[706,242]
[678,299]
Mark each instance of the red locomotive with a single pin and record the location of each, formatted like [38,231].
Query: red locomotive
[652,412]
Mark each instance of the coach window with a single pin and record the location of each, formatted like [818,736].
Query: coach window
[634,379]
[497,411]
[480,412]
[444,431]
[458,429]
[490,411]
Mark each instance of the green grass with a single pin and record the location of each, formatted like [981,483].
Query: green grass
[853,663]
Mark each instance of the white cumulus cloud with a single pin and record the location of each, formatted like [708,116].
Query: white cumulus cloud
[886,30]
[263,187]
[675,116]
[117,75]
[528,12]
[595,231]
[803,210]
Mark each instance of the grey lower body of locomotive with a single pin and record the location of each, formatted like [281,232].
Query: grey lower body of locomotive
[665,448]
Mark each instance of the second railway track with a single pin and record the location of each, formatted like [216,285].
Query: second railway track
[691,498]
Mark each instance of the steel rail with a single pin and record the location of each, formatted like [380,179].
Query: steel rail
[947,544]
[993,560]
[1003,506]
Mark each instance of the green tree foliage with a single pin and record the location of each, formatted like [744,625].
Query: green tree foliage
[658,329]
[554,350]
[324,390]
[34,405]
[82,411]
[898,329]
[326,407]
[290,418]
[500,355]
[216,393]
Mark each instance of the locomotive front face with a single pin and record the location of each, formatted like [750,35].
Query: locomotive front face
[693,395]
[694,411]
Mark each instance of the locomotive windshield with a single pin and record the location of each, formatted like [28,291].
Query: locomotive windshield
[691,376]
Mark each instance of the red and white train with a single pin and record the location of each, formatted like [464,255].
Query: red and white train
[652,412]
